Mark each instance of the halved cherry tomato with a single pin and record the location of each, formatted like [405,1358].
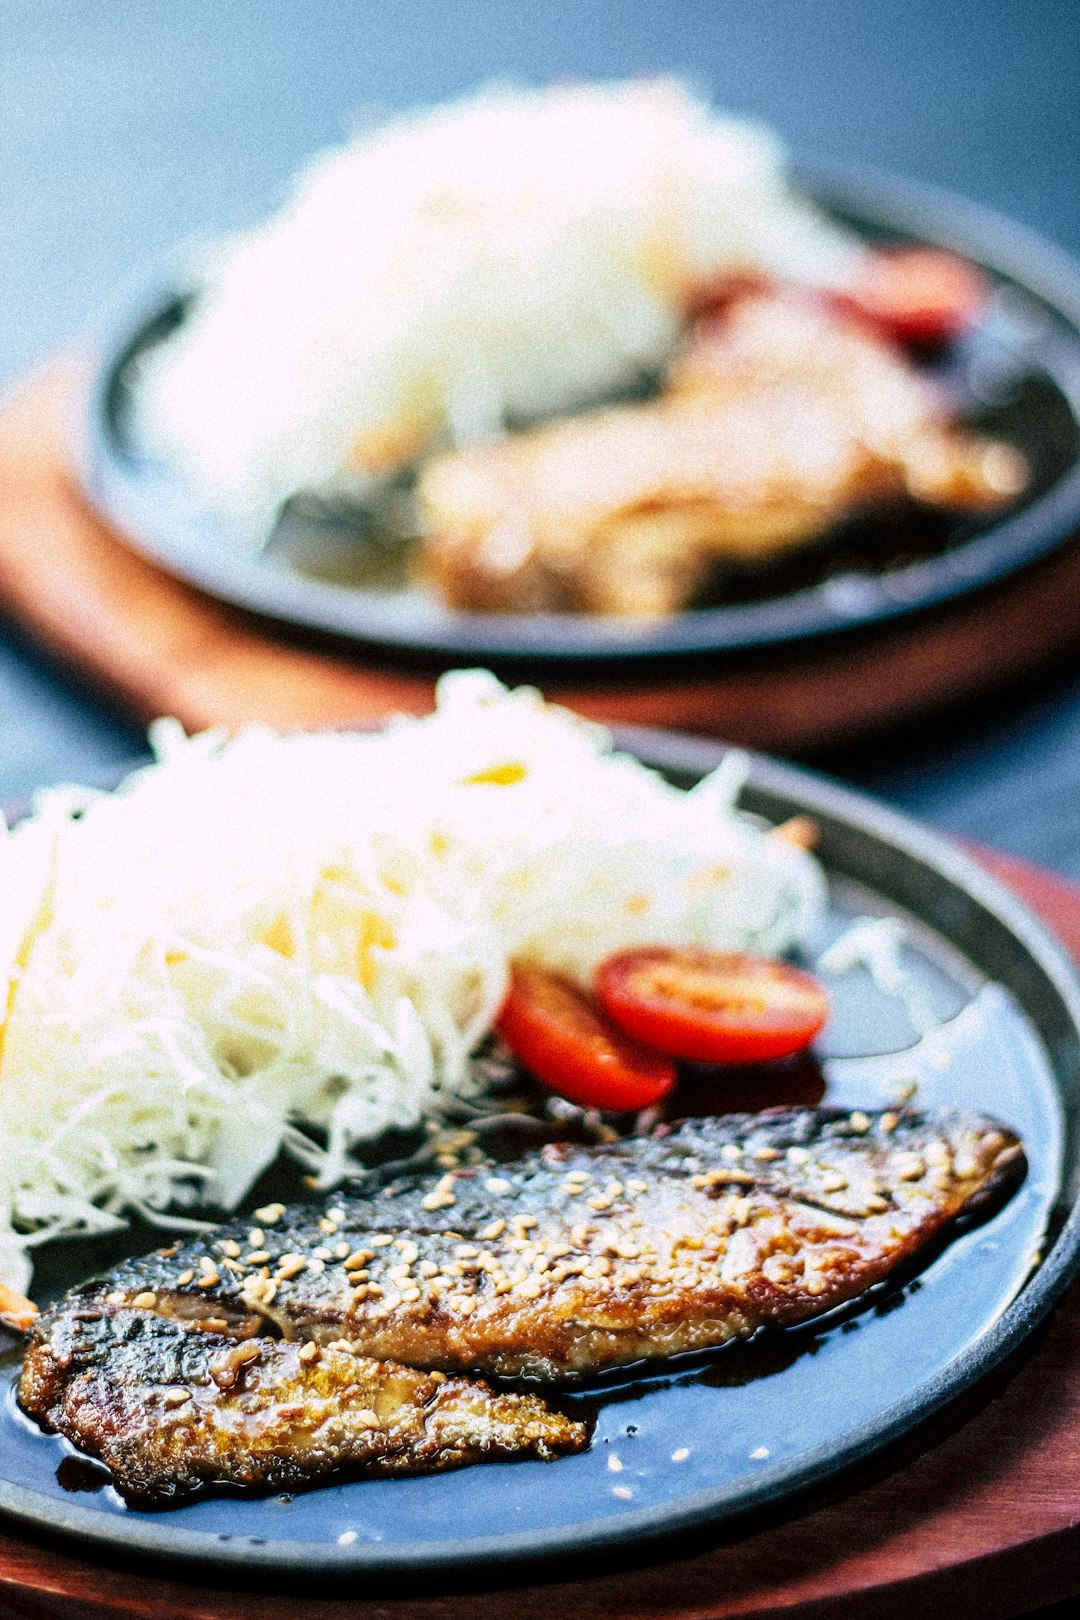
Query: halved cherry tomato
[711,1006]
[924,297]
[560,1033]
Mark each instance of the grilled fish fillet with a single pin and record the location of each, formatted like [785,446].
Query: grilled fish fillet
[173,1410]
[778,421]
[569,1261]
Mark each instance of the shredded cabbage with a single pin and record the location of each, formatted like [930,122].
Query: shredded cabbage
[267,943]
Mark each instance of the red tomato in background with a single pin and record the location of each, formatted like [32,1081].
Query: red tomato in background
[712,1006]
[560,1034]
[923,297]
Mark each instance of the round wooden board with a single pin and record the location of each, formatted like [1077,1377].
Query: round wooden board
[981,1517]
[162,647]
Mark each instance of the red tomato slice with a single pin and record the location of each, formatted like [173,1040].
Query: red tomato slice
[712,1006]
[920,296]
[560,1033]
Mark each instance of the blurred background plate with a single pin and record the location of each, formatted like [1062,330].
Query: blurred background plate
[1018,373]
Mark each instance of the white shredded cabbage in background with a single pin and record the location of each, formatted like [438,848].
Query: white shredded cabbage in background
[517,253]
[257,936]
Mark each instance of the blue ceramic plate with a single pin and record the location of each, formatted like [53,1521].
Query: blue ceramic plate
[748,1426]
[1018,375]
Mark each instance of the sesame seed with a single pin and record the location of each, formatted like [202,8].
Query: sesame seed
[206,1264]
[325,1225]
[176,1397]
[381,1240]
[437,1200]
[256,1237]
[731,1151]
[858,1121]
[680,1454]
[889,1122]
[496,1229]
[614,1464]
[309,1351]
[497,1184]
[638,1186]
[759,1454]
[270,1214]
[322,1253]
[408,1250]
[144,1301]
[290,1265]
[209,1279]
[909,1167]
[258,1257]
[316,1266]
[876,1204]
[599,1201]
[346,1538]
[798,1155]
[766,1154]
[623,1492]
[184,1278]
[260,1289]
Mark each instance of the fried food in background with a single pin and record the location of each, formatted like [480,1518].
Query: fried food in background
[780,419]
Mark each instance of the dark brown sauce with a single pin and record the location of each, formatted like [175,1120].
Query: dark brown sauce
[82,1474]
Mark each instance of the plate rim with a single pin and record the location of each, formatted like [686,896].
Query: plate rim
[147,508]
[680,754]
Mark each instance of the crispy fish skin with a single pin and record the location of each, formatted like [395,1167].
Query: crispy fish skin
[574,1260]
[173,1411]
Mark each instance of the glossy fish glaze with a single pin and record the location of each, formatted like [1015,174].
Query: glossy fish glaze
[567,1262]
[172,1410]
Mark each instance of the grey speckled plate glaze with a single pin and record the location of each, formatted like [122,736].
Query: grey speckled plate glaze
[759,1424]
[1019,375]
